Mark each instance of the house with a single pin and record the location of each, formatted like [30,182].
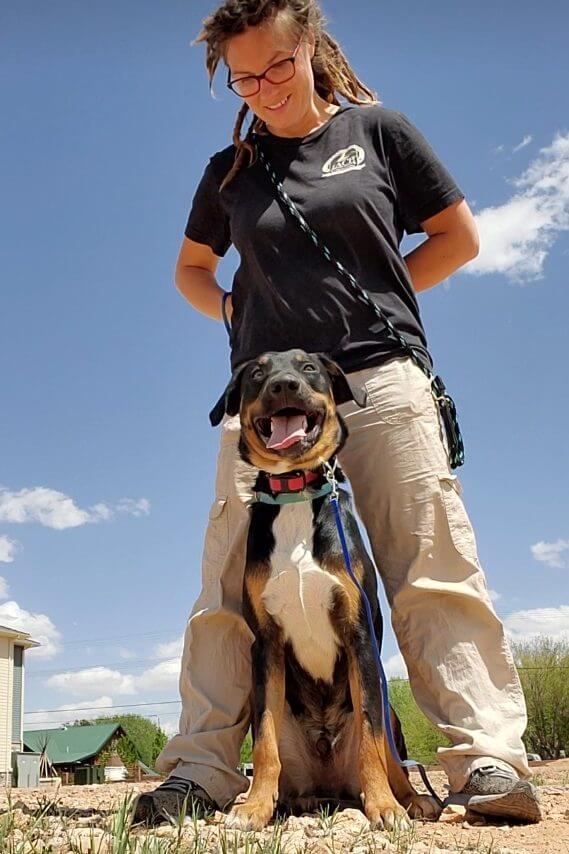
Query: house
[76,753]
[13,644]
[70,747]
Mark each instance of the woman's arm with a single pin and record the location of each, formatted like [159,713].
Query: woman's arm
[195,279]
[452,241]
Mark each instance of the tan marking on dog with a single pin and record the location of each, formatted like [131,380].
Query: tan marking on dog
[418,806]
[255,581]
[256,812]
[336,565]
[264,459]
[380,806]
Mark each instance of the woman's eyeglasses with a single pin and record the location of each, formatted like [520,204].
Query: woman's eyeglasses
[280,72]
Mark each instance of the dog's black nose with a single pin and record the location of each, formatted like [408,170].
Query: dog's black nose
[284,383]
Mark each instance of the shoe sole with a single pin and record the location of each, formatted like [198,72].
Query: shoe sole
[520,803]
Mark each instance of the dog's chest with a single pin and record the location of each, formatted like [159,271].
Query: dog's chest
[299,593]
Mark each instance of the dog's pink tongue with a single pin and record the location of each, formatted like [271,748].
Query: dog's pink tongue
[286,430]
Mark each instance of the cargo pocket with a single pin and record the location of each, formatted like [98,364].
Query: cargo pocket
[401,394]
[460,528]
[217,538]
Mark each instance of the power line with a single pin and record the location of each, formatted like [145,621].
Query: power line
[66,720]
[125,662]
[103,708]
[103,640]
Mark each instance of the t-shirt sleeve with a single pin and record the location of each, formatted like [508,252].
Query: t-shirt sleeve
[423,186]
[208,222]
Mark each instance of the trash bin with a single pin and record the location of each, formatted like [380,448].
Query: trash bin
[26,770]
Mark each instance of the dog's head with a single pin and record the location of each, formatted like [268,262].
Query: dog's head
[287,404]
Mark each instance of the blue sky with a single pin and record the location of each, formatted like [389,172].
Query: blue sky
[107,374]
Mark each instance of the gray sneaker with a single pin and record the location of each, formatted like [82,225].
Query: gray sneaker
[491,791]
[176,796]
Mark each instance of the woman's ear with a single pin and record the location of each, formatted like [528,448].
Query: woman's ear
[310,39]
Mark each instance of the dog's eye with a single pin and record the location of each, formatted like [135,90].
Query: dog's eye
[257,374]
[308,367]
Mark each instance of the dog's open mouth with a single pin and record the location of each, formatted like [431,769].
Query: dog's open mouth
[288,426]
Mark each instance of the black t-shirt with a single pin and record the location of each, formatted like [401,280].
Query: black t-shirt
[360,180]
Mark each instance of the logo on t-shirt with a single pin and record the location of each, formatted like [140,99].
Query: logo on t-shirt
[345,160]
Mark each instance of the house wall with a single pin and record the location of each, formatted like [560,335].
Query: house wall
[5,709]
[18,655]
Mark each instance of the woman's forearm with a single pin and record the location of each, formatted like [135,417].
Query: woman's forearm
[200,288]
[436,258]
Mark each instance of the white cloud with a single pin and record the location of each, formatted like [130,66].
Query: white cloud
[133,507]
[161,677]
[3,588]
[170,649]
[8,549]
[56,510]
[515,237]
[553,622]
[91,681]
[43,720]
[525,141]
[494,595]
[170,726]
[39,627]
[550,553]
[498,149]
[395,667]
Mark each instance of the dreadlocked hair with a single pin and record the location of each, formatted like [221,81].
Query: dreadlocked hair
[333,75]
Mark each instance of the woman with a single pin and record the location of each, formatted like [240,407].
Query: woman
[361,174]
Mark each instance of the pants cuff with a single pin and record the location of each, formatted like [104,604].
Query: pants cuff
[211,781]
[458,776]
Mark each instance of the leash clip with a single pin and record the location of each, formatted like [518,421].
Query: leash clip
[330,475]
[438,389]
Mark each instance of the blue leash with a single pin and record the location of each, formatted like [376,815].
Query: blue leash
[405,763]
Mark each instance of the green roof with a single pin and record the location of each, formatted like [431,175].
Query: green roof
[73,744]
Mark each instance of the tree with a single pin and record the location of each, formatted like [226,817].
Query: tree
[247,748]
[543,665]
[421,737]
[144,739]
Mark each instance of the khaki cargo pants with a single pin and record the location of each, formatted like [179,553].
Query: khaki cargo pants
[460,666]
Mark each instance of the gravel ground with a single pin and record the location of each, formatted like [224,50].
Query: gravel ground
[89,819]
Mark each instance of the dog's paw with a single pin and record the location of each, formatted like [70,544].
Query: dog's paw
[387,816]
[424,807]
[252,815]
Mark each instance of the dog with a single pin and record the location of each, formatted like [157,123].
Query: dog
[317,721]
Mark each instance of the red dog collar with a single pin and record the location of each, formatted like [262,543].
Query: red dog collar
[294,481]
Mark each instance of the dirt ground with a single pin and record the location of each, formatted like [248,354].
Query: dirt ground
[87,810]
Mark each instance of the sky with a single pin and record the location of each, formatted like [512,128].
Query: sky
[106,454]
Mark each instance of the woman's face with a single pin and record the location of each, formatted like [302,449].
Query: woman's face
[282,106]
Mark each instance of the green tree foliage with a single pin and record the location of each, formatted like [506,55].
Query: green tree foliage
[421,737]
[247,748]
[144,739]
[544,673]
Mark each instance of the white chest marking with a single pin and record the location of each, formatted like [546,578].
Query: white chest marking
[298,594]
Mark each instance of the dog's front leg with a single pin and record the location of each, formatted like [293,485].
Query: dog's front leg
[269,686]
[380,806]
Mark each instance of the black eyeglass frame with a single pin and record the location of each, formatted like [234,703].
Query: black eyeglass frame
[258,77]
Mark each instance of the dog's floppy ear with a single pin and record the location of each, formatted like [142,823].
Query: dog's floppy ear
[341,389]
[230,400]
